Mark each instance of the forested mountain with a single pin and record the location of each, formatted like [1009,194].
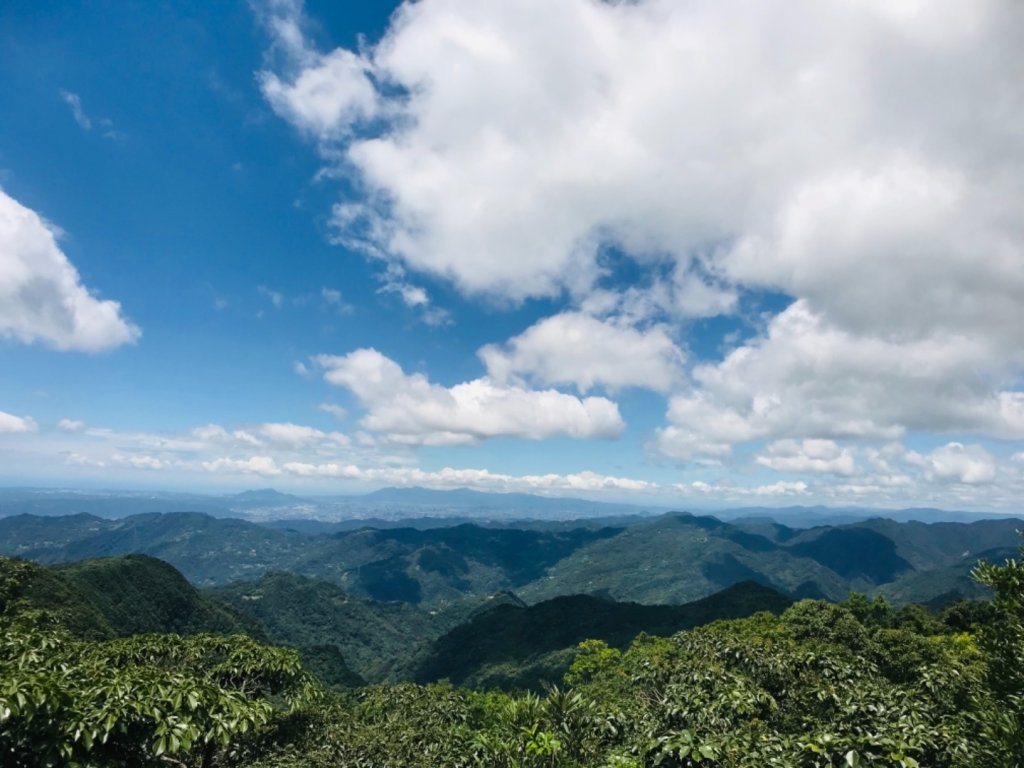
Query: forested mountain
[138,594]
[669,559]
[373,637]
[493,640]
[132,595]
[858,683]
[27,587]
[517,646]
[204,548]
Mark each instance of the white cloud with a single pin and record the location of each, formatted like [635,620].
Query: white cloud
[71,425]
[140,461]
[961,463]
[286,435]
[335,410]
[213,432]
[780,488]
[808,456]
[574,348]
[41,294]
[907,250]
[325,94]
[517,138]
[254,465]
[75,103]
[216,434]
[11,424]
[482,479]
[853,156]
[953,475]
[409,409]
[413,296]
[106,125]
[274,297]
[807,377]
[334,299]
[245,437]
[299,435]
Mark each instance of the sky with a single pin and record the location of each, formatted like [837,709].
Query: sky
[702,253]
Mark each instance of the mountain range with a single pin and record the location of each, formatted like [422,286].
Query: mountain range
[419,507]
[669,559]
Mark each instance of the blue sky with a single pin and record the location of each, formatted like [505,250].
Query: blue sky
[647,251]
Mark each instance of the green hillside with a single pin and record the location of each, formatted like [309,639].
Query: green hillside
[29,588]
[205,549]
[299,611]
[377,639]
[505,646]
[139,594]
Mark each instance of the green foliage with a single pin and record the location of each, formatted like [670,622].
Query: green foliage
[28,588]
[1003,641]
[514,646]
[139,594]
[820,686]
[301,612]
[328,664]
[860,683]
[139,701]
[131,702]
[968,615]
[593,657]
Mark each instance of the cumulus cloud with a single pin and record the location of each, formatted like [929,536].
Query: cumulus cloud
[12,424]
[575,348]
[957,462]
[71,425]
[321,94]
[42,298]
[409,409]
[853,156]
[517,138]
[807,377]
[808,456]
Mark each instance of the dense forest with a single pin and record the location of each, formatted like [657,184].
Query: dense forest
[122,662]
